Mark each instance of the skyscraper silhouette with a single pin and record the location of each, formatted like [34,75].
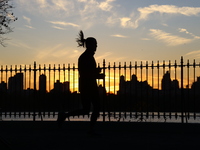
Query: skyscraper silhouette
[15,83]
[166,82]
[42,83]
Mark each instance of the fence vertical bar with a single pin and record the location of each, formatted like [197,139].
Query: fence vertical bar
[49,69]
[182,101]
[119,94]
[1,103]
[1,73]
[158,66]
[114,67]
[165,94]
[109,78]
[195,89]
[141,95]
[152,96]
[104,67]
[49,77]
[170,94]
[25,88]
[34,85]
[176,104]
[108,107]
[188,91]
[125,97]
[11,108]
[69,101]
[130,91]
[136,93]
[29,95]
[39,101]
[147,92]
[21,91]
[15,93]
[65,89]
[44,113]
[73,78]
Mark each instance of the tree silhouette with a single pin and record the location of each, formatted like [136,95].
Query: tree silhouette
[6,17]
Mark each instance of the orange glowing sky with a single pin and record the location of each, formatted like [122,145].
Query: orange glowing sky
[131,30]
[126,31]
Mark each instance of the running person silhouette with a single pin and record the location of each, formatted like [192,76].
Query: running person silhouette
[88,73]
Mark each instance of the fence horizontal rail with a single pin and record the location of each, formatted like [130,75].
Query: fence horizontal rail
[136,90]
[11,69]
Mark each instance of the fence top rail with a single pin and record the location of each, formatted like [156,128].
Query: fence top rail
[130,65]
[106,67]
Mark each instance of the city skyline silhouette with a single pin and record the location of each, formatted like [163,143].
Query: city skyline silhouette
[131,94]
[16,82]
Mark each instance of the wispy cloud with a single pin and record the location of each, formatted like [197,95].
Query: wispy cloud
[75,54]
[164,24]
[63,5]
[20,44]
[168,9]
[185,31]
[48,7]
[56,27]
[91,12]
[42,3]
[119,35]
[62,23]
[94,6]
[106,5]
[27,19]
[144,13]
[117,59]
[30,27]
[103,56]
[127,22]
[193,55]
[88,12]
[145,39]
[56,51]
[168,38]
[112,20]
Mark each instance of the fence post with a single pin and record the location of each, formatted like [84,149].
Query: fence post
[104,86]
[182,97]
[34,86]
[34,70]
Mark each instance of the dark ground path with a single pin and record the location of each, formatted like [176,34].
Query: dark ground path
[25,135]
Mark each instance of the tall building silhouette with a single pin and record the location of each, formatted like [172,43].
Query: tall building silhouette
[167,84]
[66,86]
[132,86]
[42,83]
[58,86]
[16,83]
[166,81]
[196,85]
[61,87]
[3,86]
[122,85]
[175,84]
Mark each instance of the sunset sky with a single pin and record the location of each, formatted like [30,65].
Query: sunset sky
[126,30]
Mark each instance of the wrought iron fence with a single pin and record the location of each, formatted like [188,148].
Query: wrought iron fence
[135,90]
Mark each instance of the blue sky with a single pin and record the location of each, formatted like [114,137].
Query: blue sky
[128,30]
